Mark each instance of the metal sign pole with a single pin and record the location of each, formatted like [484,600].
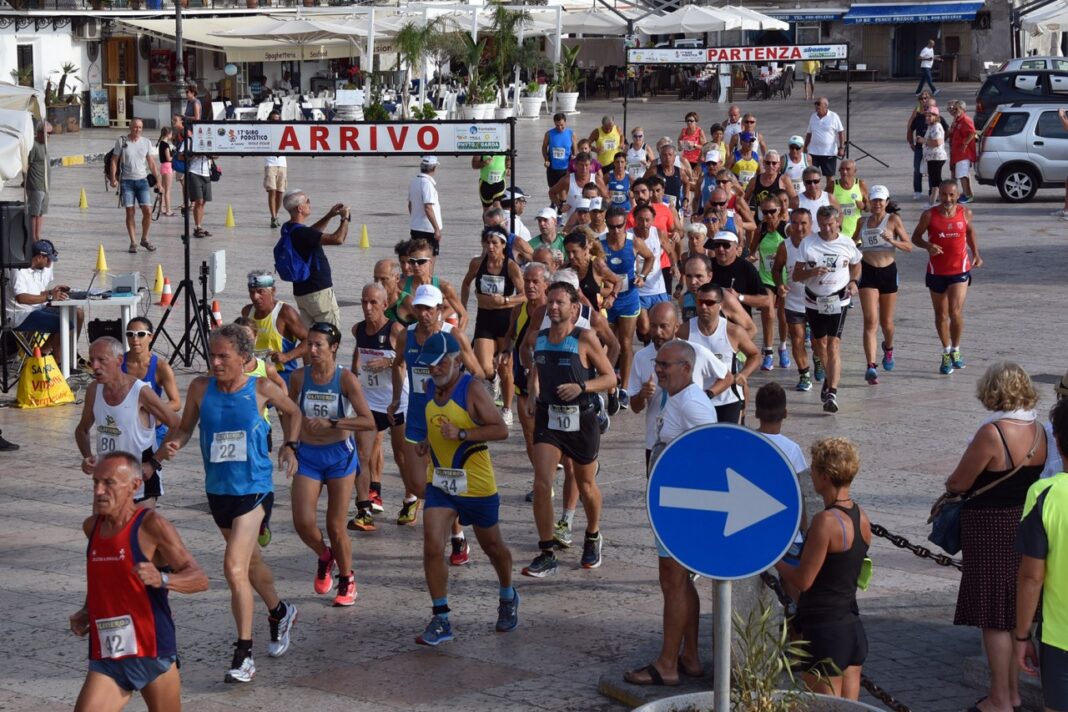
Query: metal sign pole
[721,648]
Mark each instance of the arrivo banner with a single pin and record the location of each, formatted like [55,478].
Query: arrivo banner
[349,139]
[713,55]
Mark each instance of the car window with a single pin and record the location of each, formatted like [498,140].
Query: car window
[1058,83]
[1027,84]
[1050,126]
[990,92]
[1061,64]
[1009,123]
[1033,64]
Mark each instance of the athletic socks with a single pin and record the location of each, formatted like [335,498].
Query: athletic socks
[506,593]
[440,607]
[278,613]
[569,517]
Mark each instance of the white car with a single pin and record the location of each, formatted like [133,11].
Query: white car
[1024,147]
[1034,63]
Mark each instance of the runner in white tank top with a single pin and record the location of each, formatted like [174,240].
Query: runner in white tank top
[119,427]
[574,196]
[720,345]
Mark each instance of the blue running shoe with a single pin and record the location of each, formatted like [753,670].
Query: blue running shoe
[544,564]
[438,631]
[958,360]
[508,614]
[784,357]
[817,367]
[804,383]
[871,376]
[768,362]
[888,358]
[947,365]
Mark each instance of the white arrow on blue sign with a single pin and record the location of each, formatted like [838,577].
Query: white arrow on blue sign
[724,501]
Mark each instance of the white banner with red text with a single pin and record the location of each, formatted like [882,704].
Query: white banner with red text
[717,55]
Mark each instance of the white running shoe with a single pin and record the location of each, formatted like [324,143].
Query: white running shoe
[506,414]
[280,629]
[243,672]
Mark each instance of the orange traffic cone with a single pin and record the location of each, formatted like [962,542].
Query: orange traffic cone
[167,295]
[216,315]
[37,352]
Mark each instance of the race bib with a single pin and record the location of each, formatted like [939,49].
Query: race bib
[564,418]
[619,197]
[829,305]
[799,186]
[373,379]
[559,153]
[107,438]
[491,284]
[872,237]
[453,481]
[746,176]
[769,263]
[849,209]
[495,177]
[635,170]
[318,404]
[229,446]
[116,636]
[625,284]
[420,376]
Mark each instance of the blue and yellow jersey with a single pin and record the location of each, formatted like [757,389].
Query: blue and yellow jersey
[471,456]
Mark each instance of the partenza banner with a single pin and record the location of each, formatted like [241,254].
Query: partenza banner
[350,138]
[714,55]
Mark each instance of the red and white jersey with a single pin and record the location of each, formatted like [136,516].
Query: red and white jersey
[951,234]
[126,618]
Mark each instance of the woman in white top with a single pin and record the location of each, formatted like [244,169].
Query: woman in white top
[879,236]
[934,151]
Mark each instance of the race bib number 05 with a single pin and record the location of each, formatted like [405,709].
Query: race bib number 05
[564,418]
[229,446]
[453,481]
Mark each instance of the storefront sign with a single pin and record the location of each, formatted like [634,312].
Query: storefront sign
[350,139]
[713,55]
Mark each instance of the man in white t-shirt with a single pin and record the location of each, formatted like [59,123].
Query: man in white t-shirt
[685,407]
[825,140]
[927,59]
[133,160]
[424,208]
[29,301]
[274,176]
[515,202]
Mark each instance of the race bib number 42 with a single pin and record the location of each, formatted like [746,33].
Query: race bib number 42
[453,481]
[116,636]
[229,446]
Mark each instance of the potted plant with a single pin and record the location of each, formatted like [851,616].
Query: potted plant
[486,97]
[63,106]
[468,52]
[411,43]
[530,104]
[23,77]
[567,79]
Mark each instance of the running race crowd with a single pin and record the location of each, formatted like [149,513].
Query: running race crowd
[635,292]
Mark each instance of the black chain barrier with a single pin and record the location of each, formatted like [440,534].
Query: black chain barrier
[921,551]
[790,607]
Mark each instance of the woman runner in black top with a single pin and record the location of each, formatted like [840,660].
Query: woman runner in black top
[586,256]
[830,566]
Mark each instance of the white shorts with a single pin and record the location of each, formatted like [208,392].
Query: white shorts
[962,169]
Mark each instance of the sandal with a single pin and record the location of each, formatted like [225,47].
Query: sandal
[148,245]
[204,233]
[169,214]
[133,249]
[198,232]
[655,678]
[700,672]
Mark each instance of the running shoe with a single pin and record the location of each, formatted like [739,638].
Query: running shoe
[376,502]
[958,360]
[831,404]
[871,375]
[624,399]
[346,591]
[324,572]
[242,668]
[804,383]
[591,551]
[1062,214]
[918,196]
[274,222]
[544,564]
[506,415]
[768,362]
[888,358]
[784,357]
[408,512]
[965,199]
[817,368]
[530,496]
[437,631]
[825,391]
[363,522]
[265,535]
[562,534]
[613,401]
[496,383]
[603,421]
[947,364]
[460,552]
[508,614]
[280,630]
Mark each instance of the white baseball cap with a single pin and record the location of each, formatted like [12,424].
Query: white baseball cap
[796,141]
[582,205]
[712,157]
[721,236]
[429,160]
[879,192]
[427,295]
[595,204]
[546,214]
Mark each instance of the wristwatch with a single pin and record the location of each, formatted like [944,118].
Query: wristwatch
[165,581]
[462,435]
[333,423]
[291,444]
[741,298]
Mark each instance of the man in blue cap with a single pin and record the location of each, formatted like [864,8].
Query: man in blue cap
[29,304]
[461,418]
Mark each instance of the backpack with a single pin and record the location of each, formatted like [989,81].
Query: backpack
[288,263]
[107,163]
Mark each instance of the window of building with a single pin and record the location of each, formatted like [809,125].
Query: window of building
[807,32]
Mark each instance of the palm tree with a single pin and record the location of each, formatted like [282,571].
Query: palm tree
[508,52]
[66,70]
[412,41]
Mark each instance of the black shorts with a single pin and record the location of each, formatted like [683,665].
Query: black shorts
[939,283]
[844,644]
[824,325]
[1054,663]
[225,508]
[382,420]
[492,323]
[553,175]
[828,165]
[489,192]
[795,317]
[882,278]
[153,488]
[730,412]
[429,237]
[581,445]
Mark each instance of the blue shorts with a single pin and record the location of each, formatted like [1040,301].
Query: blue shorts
[133,673]
[415,418]
[481,512]
[44,320]
[648,302]
[328,462]
[939,283]
[626,306]
[135,192]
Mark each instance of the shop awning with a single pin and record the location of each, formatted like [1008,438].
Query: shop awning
[807,14]
[898,13]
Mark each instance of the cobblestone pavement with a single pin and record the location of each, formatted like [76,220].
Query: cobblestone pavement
[581,624]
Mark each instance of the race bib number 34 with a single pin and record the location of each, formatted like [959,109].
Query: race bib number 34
[453,481]
[116,636]
[229,446]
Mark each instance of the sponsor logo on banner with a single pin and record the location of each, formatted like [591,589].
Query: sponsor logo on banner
[480,137]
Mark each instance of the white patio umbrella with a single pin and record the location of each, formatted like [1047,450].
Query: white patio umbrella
[691,18]
[1052,18]
[20,98]
[594,22]
[753,20]
[16,140]
[300,32]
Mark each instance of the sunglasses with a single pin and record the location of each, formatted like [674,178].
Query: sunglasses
[620,226]
[749,121]
[638,135]
[717,204]
[771,211]
[708,302]
[771,163]
[724,181]
[419,260]
[691,121]
[722,245]
[813,182]
[138,334]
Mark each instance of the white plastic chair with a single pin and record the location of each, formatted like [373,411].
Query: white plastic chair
[264,110]
[218,111]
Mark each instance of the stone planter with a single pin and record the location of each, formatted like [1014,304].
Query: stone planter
[702,702]
[65,119]
[529,107]
[441,115]
[467,112]
[505,113]
[484,111]
[566,101]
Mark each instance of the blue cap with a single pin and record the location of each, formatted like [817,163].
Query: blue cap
[437,347]
[46,248]
[747,136]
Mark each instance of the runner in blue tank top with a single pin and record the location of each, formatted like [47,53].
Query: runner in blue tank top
[557,149]
[618,182]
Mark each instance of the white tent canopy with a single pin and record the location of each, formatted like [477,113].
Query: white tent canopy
[753,20]
[20,98]
[690,19]
[594,21]
[1051,18]
[16,140]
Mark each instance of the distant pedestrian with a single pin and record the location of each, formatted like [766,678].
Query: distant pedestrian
[1054,461]
[917,129]
[315,295]
[198,187]
[825,140]
[424,206]
[810,68]
[37,179]
[274,178]
[132,162]
[165,149]
[557,149]
[963,148]
[1063,212]
[927,60]
[193,108]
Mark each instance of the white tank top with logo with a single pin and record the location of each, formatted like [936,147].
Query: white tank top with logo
[119,427]
[720,345]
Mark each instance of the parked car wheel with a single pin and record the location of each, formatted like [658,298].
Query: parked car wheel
[1018,183]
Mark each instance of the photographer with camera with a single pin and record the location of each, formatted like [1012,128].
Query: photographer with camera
[133,164]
